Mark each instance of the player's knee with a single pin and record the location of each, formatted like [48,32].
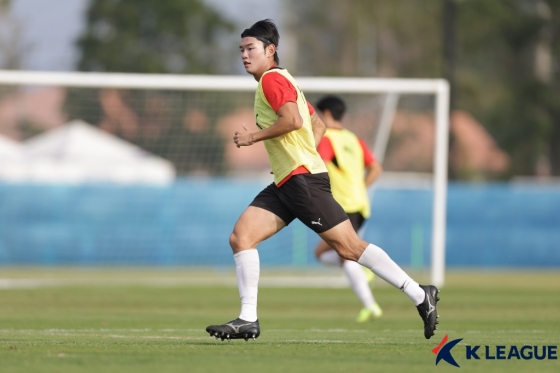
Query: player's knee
[235,242]
[239,241]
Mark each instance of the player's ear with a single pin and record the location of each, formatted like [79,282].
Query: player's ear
[271,49]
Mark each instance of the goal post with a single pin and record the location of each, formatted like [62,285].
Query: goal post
[438,88]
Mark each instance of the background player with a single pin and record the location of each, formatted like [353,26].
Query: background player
[352,168]
[301,189]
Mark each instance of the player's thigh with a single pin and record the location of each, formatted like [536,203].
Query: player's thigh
[356,220]
[254,226]
[344,239]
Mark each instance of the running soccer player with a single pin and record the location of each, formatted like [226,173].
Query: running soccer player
[291,130]
[352,168]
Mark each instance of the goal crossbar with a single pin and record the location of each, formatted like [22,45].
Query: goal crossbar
[215,82]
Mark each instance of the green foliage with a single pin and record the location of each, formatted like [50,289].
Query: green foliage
[496,73]
[497,79]
[152,36]
[368,38]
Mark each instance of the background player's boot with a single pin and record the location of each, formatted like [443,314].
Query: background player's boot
[370,313]
[235,329]
[428,310]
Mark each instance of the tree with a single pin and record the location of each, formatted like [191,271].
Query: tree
[505,77]
[367,38]
[152,36]
[503,60]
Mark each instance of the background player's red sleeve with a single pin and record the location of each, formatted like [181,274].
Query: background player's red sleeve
[369,158]
[311,108]
[325,149]
[278,90]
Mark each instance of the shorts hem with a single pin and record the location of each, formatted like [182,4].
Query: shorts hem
[332,225]
[264,207]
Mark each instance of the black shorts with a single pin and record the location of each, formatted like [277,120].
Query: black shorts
[356,219]
[307,197]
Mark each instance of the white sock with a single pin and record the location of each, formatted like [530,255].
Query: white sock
[247,268]
[330,257]
[358,280]
[383,266]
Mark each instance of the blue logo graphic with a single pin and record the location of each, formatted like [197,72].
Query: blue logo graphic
[500,352]
[443,351]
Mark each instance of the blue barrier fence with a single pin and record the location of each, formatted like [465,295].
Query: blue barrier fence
[189,222]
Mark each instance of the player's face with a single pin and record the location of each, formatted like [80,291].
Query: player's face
[255,57]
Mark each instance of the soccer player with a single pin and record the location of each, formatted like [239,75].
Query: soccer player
[352,168]
[291,130]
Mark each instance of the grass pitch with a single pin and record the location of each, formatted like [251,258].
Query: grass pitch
[133,321]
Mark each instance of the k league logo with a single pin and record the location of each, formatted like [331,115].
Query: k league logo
[443,352]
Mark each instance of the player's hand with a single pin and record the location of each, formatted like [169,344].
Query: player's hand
[243,138]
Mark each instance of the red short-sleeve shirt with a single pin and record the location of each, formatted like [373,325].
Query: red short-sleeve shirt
[278,90]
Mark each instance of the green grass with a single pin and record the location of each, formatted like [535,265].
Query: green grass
[121,322]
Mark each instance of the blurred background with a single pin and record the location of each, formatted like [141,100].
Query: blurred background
[94,176]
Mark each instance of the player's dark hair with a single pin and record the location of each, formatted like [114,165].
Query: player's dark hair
[266,32]
[334,104]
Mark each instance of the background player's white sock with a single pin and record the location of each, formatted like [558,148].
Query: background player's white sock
[383,266]
[247,268]
[358,280]
[330,257]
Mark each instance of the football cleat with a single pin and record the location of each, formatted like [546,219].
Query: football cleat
[428,310]
[370,313]
[235,329]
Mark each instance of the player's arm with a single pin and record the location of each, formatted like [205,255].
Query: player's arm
[318,128]
[288,120]
[372,168]
[372,173]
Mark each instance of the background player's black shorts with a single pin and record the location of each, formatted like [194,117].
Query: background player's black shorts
[307,197]
[356,219]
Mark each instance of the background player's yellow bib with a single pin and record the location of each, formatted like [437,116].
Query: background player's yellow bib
[293,149]
[347,175]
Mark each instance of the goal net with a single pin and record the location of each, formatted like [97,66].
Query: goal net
[131,169]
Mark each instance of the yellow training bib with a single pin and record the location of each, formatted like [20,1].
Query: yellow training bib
[293,149]
[347,175]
